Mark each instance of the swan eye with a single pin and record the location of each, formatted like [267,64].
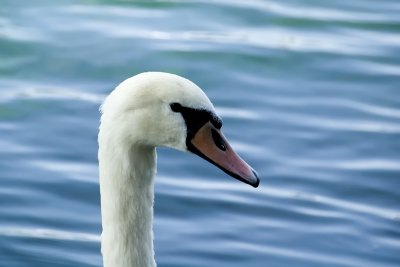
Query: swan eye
[219,142]
[176,107]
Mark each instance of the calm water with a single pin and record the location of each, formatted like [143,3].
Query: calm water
[309,93]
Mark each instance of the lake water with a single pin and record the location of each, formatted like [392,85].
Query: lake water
[309,92]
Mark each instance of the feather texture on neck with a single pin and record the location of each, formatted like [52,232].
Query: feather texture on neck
[126,185]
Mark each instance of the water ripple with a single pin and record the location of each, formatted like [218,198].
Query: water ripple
[308,11]
[50,93]
[337,124]
[376,211]
[320,102]
[232,194]
[49,234]
[226,112]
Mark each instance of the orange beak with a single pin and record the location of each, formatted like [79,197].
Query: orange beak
[209,143]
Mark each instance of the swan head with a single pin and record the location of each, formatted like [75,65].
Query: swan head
[162,109]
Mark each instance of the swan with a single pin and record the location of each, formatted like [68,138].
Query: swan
[145,111]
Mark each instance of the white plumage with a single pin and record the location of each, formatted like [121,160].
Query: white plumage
[137,117]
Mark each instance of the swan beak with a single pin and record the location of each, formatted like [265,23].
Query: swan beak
[209,143]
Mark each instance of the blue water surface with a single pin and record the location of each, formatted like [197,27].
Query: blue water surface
[309,95]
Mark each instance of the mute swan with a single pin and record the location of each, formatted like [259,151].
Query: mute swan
[145,111]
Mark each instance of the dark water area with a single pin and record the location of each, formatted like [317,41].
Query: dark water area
[309,95]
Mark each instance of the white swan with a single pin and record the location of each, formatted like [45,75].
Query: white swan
[148,110]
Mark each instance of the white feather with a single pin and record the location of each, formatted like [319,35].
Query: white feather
[136,117]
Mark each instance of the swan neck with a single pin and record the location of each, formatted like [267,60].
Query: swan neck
[127,194]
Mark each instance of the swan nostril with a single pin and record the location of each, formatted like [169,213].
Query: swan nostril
[219,142]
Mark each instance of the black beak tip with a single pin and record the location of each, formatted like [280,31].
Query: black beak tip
[257,183]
